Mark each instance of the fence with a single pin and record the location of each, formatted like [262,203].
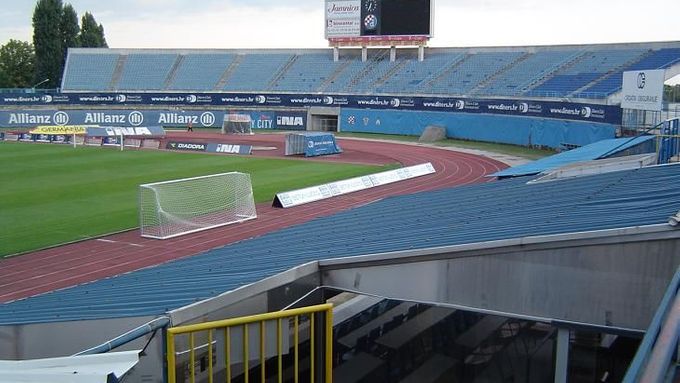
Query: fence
[237,333]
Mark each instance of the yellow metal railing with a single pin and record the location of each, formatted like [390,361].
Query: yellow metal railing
[226,327]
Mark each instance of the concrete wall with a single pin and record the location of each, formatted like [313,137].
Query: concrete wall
[616,283]
[46,340]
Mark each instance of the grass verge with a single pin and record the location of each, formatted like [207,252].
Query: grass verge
[54,194]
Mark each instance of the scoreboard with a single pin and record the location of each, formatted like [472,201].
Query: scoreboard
[375,18]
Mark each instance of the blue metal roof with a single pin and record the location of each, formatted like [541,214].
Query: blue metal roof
[594,151]
[492,211]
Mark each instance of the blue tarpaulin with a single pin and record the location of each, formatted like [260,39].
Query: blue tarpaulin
[594,151]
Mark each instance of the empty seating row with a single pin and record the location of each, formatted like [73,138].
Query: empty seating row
[578,71]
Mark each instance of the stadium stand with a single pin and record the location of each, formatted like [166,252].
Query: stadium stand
[256,71]
[307,73]
[90,71]
[448,216]
[524,73]
[663,58]
[471,71]
[583,71]
[202,71]
[413,74]
[146,71]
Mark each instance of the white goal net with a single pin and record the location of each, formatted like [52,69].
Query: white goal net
[172,208]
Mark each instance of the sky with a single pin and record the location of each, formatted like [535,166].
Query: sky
[300,23]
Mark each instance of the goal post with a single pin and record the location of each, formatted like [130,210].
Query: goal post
[172,208]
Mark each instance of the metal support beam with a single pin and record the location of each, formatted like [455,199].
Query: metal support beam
[562,355]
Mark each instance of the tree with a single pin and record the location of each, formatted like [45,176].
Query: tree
[671,93]
[4,79]
[17,61]
[47,41]
[69,29]
[91,33]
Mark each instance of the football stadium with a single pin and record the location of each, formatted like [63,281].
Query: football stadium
[296,215]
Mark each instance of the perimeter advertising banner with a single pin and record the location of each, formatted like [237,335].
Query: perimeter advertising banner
[56,129]
[131,116]
[209,147]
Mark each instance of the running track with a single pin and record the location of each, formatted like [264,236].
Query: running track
[90,260]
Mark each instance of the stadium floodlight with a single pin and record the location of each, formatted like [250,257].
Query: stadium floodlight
[177,207]
[39,83]
[674,220]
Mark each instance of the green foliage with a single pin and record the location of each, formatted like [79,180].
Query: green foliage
[17,60]
[59,194]
[671,93]
[91,33]
[47,42]
[69,28]
[55,29]
[4,79]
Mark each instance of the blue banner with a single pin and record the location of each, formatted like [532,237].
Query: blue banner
[285,120]
[121,118]
[610,114]
[274,119]
[320,144]
[492,128]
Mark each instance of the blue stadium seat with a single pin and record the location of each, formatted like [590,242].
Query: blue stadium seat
[307,73]
[658,59]
[89,71]
[146,71]
[200,71]
[583,71]
[580,71]
[256,70]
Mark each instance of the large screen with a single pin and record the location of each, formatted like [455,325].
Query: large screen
[357,18]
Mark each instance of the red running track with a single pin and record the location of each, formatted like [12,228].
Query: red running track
[69,265]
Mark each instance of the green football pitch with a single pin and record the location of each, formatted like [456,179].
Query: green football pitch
[52,194]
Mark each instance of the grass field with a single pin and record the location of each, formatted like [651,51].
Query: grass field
[52,194]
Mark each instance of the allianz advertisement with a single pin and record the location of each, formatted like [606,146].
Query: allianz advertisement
[133,118]
[610,114]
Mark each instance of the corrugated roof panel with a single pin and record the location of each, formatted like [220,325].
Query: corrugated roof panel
[596,150]
[499,210]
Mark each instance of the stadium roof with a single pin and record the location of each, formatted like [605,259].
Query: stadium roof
[594,151]
[493,211]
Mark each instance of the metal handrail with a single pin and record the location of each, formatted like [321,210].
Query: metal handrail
[227,324]
[128,337]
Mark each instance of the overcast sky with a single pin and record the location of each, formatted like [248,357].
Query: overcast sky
[299,23]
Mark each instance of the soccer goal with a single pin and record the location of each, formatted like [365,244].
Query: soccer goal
[177,207]
[237,123]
